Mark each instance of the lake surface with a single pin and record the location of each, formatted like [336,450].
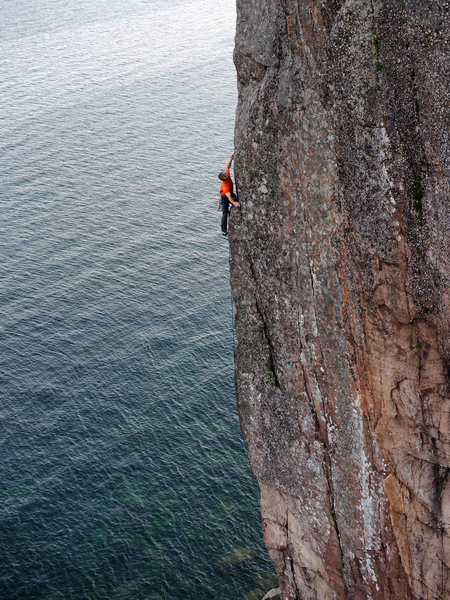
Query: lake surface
[123,472]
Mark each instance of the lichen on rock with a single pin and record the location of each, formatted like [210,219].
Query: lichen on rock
[339,274]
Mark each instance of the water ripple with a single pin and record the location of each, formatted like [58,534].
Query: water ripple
[124,474]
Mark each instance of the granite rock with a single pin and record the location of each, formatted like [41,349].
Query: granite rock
[339,273]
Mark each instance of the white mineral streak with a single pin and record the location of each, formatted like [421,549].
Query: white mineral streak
[371,539]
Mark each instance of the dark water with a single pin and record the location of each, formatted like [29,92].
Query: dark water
[123,473]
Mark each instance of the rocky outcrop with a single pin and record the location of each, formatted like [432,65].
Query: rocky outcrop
[339,271]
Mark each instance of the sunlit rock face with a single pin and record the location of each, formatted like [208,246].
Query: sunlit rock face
[339,273]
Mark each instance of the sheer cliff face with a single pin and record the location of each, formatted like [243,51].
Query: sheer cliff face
[338,273]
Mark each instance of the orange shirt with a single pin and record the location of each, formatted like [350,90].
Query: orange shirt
[227,186]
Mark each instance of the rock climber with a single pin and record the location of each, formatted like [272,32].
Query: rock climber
[226,195]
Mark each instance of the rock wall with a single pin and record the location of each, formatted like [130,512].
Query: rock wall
[339,273]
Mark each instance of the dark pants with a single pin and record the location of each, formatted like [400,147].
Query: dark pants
[225,211]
